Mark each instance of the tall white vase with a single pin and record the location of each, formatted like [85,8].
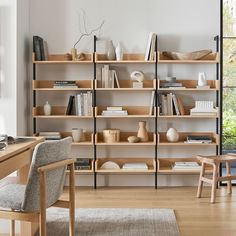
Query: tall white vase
[47,109]
[119,52]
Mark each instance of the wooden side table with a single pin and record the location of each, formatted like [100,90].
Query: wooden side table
[215,161]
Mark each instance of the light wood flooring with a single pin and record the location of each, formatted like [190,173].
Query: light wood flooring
[195,217]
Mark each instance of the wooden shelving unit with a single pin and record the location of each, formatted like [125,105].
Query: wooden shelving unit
[190,85]
[165,166]
[57,112]
[211,58]
[126,85]
[133,58]
[124,140]
[64,59]
[121,161]
[162,140]
[133,112]
[47,85]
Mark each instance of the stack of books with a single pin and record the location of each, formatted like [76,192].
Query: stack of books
[64,84]
[186,166]
[150,49]
[175,85]
[204,108]
[40,48]
[198,139]
[80,104]
[170,104]
[109,78]
[114,111]
[83,164]
[50,135]
[135,166]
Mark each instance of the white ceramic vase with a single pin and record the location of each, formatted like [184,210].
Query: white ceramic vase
[111,54]
[119,52]
[202,81]
[172,135]
[77,134]
[47,109]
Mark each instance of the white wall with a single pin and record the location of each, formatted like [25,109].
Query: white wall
[183,25]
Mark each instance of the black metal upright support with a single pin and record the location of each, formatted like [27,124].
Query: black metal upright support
[34,99]
[94,116]
[156,106]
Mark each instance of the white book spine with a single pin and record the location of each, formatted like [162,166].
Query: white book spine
[85,96]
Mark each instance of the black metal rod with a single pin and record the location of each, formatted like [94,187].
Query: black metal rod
[94,117]
[217,92]
[34,100]
[156,105]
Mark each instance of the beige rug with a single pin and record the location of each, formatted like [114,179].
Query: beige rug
[114,222]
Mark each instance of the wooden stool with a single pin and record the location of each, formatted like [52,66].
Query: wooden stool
[215,161]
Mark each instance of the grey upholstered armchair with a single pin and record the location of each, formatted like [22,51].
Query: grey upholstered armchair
[43,189]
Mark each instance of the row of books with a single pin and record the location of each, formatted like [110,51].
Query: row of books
[151,46]
[40,48]
[80,104]
[170,104]
[114,111]
[64,84]
[109,78]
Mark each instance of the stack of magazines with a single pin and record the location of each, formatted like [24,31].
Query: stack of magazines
[64,84]
[186,166]
[114,111]
[198,139]
[134,166]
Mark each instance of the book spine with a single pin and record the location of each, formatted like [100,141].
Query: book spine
[176,105]
[69,106]
[36,48]
[41,45]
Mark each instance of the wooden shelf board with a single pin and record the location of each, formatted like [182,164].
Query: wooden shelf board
[187,89]
[187,62]
[62,117]
[187,144]
[128,116]
[125,89]
[120,171]
[188,117]
[62,89]
[126,144]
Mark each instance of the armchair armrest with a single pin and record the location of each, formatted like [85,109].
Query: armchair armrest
[55,165]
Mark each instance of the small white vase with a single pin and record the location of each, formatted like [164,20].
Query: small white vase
[202,81]
[111,55]
[119,52]
[172,135]
[47,109]
[77,134]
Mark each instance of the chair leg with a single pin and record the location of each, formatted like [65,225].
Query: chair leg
[42,215]
[72,200]
[214,183]
[199,190]
[12,227]
[228,172]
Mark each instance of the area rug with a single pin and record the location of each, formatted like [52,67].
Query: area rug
[114,222]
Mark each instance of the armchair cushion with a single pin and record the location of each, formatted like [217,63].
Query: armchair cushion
[12,196]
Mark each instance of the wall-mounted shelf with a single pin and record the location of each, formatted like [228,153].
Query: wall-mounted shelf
[57,112]
[64,59]
[47,85]
[133,58]
[121,161]
[162,140]
[211,58]
[124,140]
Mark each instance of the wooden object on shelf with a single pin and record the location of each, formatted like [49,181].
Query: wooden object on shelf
[111,135]
[133,112]
[121,161]
[127,85]
[165,166]
[197,55]
[64,58]
[124,139]
[162,140]
[211,58]
[191,85]
[47,85]
[127,58]
[215,162]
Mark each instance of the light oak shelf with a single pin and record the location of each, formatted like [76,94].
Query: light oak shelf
[57,112]
[131,58]
[133,112]
[211,58]
[47,85]
[121,161]
[64,59]
[126,85]
[187,116]
[190,85]
[165,166]
[123,140]
[162,140]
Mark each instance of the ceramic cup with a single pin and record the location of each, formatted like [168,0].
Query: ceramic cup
[77,134]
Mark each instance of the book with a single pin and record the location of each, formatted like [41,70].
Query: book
[152,102]
[36,48]
[186,165]
[115,113]
[116,79]
[180,106]
[169,84]
[198,139]
[70,105]
[114,108]
[140,165]
[148,47]
[177,112]
[164,105]
[203,113]
[203,87]
[152,49]
[41,46]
